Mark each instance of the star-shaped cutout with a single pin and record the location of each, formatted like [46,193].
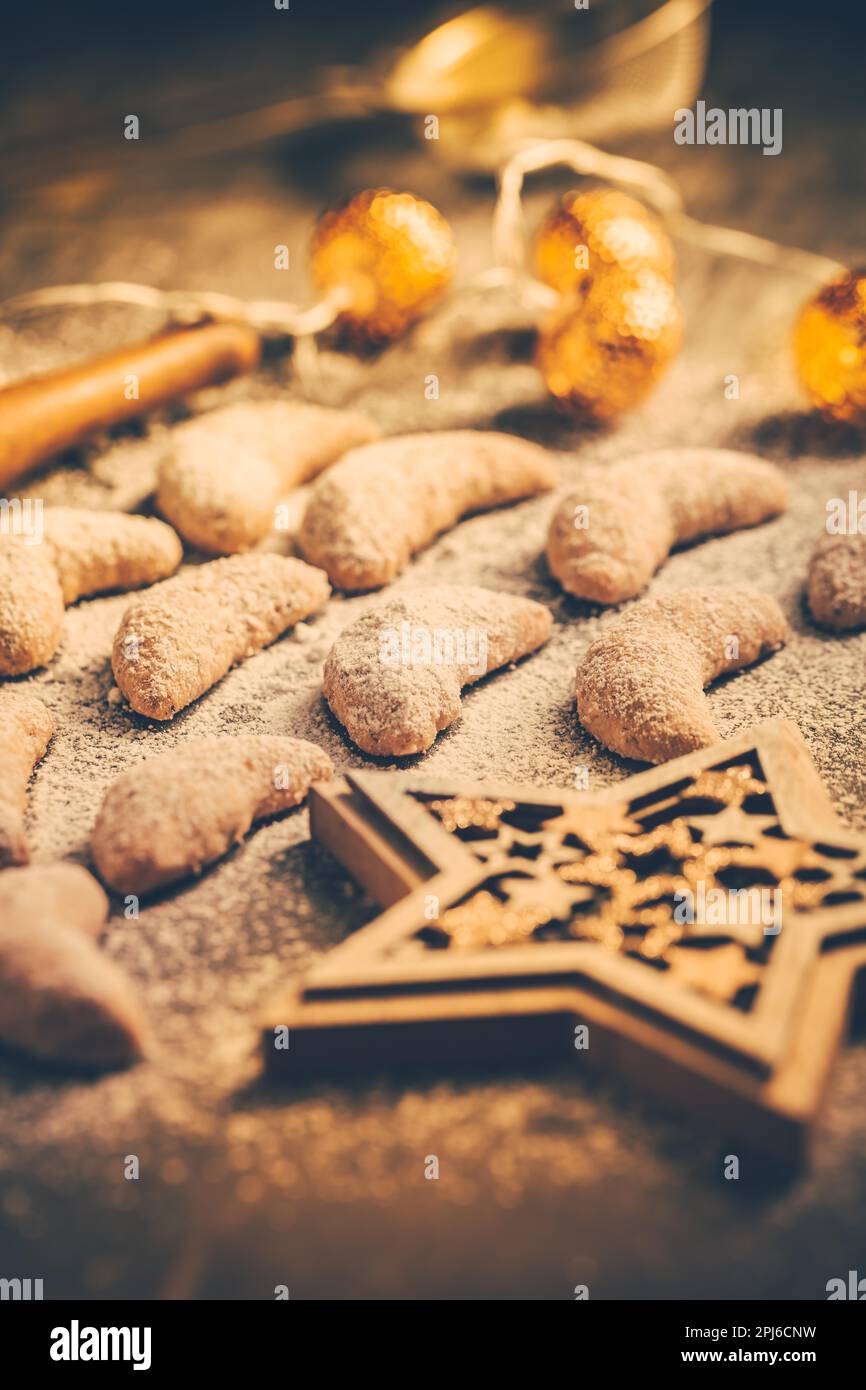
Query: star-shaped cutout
[592,825]
[782,858]
[548,894]
[732,826]
[720,971]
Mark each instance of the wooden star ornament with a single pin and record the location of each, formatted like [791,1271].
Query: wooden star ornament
[696,927]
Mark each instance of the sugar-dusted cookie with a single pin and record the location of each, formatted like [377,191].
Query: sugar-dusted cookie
[608,537]
[61,998]
[168,817]
[837,582]
[394,677]
[181,637]
[96,552]
[227,469]
[371,512]
[185,634]
[31,607]
[640,686]
[80,553]
[26,727]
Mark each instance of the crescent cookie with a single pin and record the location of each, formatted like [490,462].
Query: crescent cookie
[640,686]
[394,677]
[61,998]
[607,539]
[81,553]
[31,607]
[182,636]
[167,817]
[26,728]
[228,469]
[381,504]
[837,582]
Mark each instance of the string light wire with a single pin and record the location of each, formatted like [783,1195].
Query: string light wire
[280,318]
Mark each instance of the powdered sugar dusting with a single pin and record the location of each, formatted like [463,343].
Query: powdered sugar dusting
[395,693]
[607,539]
[383,503]
[640,685]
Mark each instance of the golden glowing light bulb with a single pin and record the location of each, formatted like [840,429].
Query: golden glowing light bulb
[604,348]
[477,59]
[830,347]
[392,254]
[586,233]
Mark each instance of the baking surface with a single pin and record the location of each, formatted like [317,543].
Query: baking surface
[545,1182]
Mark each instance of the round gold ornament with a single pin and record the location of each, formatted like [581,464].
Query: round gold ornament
[603,349]
[830,347]
[586,233]
[393,255]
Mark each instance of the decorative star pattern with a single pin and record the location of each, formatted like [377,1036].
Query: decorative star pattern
[513,915]
[623,877]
